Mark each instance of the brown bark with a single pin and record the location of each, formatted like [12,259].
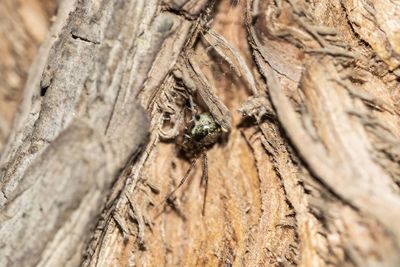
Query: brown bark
[308,175]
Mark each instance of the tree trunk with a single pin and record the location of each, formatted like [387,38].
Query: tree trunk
[307,173]
[23,24]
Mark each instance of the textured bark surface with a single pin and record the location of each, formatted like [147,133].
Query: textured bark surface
[308,175]
[23,25]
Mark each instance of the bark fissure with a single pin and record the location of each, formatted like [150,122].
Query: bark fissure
[306,170]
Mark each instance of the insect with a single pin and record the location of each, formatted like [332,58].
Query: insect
[201,133]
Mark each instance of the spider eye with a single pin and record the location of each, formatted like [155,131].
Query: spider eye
[197,117]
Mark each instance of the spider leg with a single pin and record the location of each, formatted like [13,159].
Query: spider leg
[205,179]
[169,200]
[193,164]
[171,203]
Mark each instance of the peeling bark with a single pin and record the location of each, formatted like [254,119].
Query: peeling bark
[307,173]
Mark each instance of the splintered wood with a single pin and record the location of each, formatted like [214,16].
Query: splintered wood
[302,98]
[294,179]
[270,203]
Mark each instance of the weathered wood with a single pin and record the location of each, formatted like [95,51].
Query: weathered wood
[82,121]
[309,177]
[23,25]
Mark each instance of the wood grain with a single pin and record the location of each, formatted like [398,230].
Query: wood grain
[308,174]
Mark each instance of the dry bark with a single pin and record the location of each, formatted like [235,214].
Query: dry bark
[308,175]
[23,25]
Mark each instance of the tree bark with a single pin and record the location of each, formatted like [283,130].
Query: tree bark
[23,25]
[307,175]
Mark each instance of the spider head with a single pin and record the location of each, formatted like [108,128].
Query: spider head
[205,131]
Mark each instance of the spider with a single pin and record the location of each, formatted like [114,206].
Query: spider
[201,133]
[205,128]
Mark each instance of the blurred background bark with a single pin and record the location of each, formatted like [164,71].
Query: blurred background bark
[23,26]
[308,176]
